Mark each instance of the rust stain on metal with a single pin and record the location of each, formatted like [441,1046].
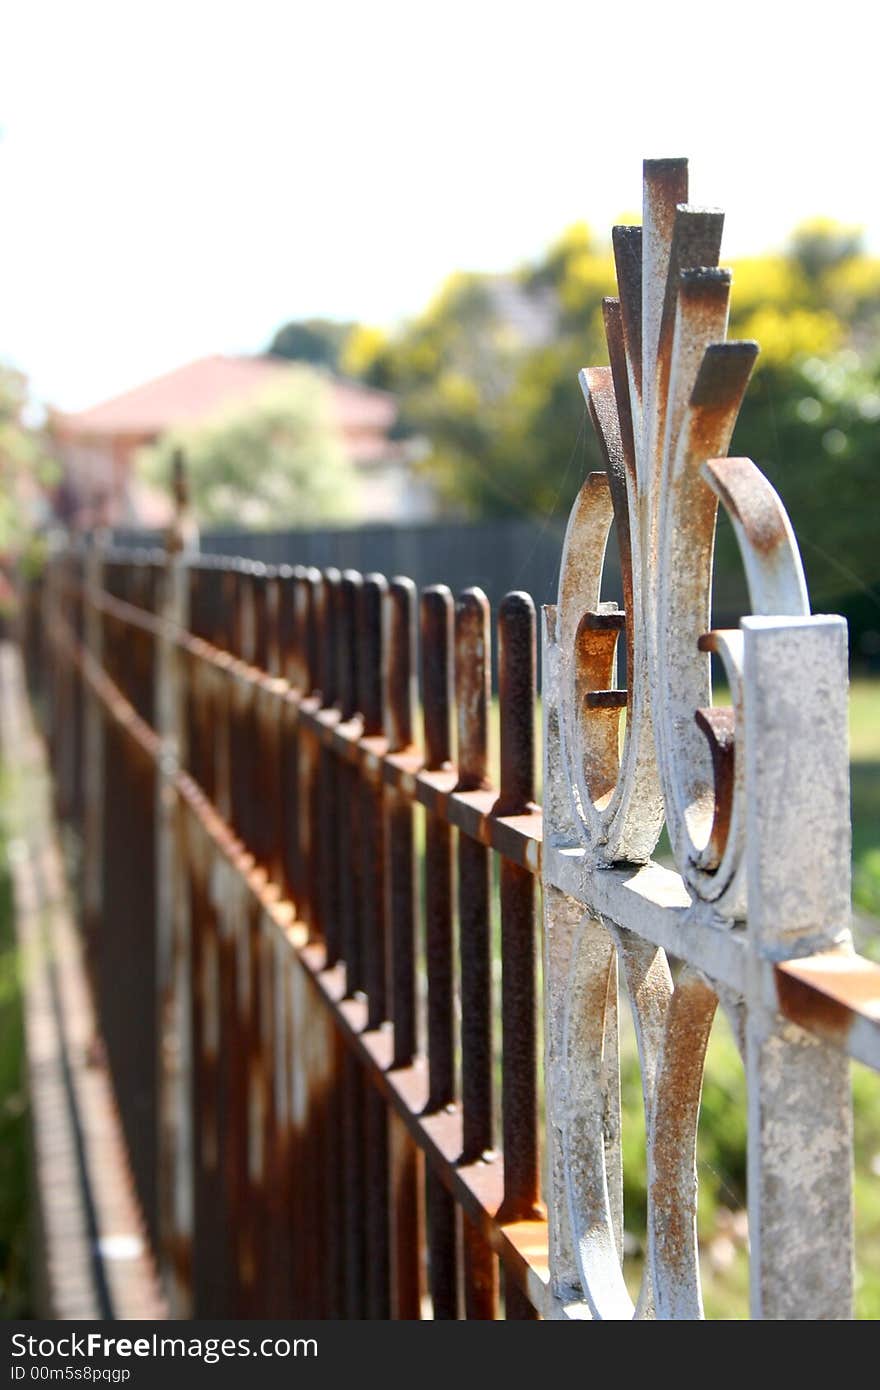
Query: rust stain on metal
[517,665]
[827,992]
[749,497]
[280,721]
[718,723]
[472,688]
[673,1128]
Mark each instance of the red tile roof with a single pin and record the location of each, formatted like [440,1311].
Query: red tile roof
[201,388]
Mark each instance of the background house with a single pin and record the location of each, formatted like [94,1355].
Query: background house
[97,447]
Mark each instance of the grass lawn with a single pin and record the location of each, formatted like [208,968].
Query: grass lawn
[865,774]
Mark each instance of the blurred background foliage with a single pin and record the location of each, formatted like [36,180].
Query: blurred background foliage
[486,379]
[270,462]
[27,472]
[487,374]
[318,341]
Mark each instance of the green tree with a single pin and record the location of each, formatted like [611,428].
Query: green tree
[811,424]
[274,461]
[27,473]
[317,341]
[488,375]
[26,465]
[810,417]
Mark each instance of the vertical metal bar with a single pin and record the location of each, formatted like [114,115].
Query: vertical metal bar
[519,1099]
[517,685]
[800,1130]
[297,669]
[328,1115]
[285,624]
[350,587]
[328,655]
[334,1159]
[353,1148]
[301,1226]
[442,1248]
[472,689]
[436,625]
[401,847]
[273,598]
[94,756]
[436,613]
[259,578]
[351,1079]
[272,1261]
[207,684]
[195,705]
[314,596]
[372,671]
[239,801]
[291,614]
[351,896]
[480,1274]
[472,682]
[327,791]
[266,1124]
[283,1166]
[222,693]
[249,1221]
[309,906]
[225,1051]
[171,927]
[272,717]
[258,827]
[377,1226]
[407,1221]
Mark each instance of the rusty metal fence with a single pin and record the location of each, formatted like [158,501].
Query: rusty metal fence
[324,1037]
[323,1136]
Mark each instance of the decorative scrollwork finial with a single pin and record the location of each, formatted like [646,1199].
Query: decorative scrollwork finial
[664,412]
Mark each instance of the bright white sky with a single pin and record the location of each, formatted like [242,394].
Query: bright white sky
[181,178]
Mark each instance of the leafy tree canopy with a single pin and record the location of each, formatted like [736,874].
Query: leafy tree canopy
[272,461]
[26,466]
[318,341]
[488,374]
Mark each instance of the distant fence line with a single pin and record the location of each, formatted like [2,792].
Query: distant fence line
[496,555]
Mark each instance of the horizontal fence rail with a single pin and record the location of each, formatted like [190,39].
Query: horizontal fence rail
[315,1095]
[311,903]
[325,1084]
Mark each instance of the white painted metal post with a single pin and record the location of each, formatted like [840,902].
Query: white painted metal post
[755,796]
[798,873]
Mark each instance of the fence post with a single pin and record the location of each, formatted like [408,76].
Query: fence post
[798,867]
[93,745]
[173,964]
[755,797]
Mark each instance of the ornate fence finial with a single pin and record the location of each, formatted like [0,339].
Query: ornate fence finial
[754,796]
[664,412]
